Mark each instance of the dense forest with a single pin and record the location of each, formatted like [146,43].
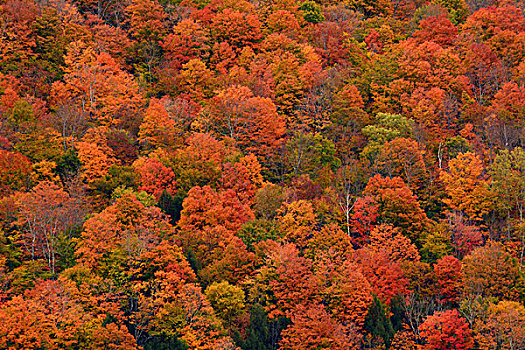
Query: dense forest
[262,174]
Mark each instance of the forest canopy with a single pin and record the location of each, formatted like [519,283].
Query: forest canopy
[262,175]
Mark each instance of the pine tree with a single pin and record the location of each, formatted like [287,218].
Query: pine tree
[377,323]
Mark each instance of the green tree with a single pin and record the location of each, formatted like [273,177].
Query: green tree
[377,322]
[312,12]
[258,333]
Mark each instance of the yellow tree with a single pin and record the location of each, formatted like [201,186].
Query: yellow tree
[467,187]
[297,222]
[504,328]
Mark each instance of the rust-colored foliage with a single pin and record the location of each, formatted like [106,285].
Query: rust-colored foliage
[438,29]
[466,186]
[252,121]
[97,84]
[237,28]
[14,172]
[297,222]
[290,279]
[236,174]
[490,271]
[344,289]
[155,177]
[187,41]
[127,225]
[384,275]
[398,206]
[52,316]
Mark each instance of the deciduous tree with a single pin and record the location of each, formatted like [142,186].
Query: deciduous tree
[45,215]
[446,330]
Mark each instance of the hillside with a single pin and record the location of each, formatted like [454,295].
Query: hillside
[262,175]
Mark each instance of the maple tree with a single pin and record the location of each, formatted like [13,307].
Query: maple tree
[314,328]
[98,86]
[446,329]
[49,316]
[237,28]
[250,120]
[384,274]
[236,177]
[239,175]
[296,221]
[464,236]
[484,70]
[466,187]
[206,208]
[46,213]
[449,278]
[188,40]
[364,218]
[197,79]
[438,29]
[343,288]
[287,278]
[504,327]
[385,238]
[155,177]
[157,128]
[129,225]
[330,237]
[398,206]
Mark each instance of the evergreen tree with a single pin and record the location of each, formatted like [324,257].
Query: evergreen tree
[377,322]
[257,334]
[171,205]
[398,312]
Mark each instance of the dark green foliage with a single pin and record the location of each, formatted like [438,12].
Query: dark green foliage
[377,322]
[66,248]
[276,327]
[398,312]
[171,205]
[257,334]
[68,165]
[193,261]
[262,334]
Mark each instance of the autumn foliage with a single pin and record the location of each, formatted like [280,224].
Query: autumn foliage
[262,175]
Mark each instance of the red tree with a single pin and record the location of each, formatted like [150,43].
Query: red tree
[446,330]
